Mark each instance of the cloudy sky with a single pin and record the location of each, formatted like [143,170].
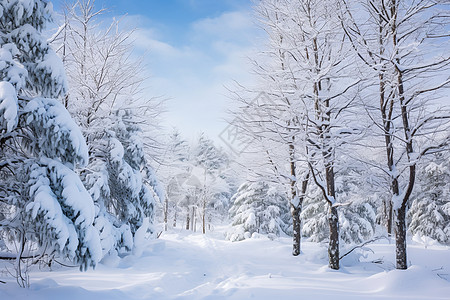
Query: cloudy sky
[194,50]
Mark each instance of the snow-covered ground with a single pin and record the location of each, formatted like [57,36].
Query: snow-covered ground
[181,265]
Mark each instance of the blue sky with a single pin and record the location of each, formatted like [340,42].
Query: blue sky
[194,50]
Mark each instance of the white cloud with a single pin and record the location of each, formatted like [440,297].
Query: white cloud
[194,73]
[229,25]
[143,40]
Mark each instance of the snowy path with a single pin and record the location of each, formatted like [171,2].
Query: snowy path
[181,266]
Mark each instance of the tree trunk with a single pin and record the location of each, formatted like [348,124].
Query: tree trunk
[193,219]
[175,219]
[188,219]
[296,226]
[166,213]
[400,239]
[390,218]
[203,218]
[333,247]
[333,220]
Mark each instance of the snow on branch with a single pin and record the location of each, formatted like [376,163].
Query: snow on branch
[61,137]
[8,106]
[62,209]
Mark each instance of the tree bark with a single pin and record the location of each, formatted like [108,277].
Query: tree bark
[175,219]
[193,221]
[203,217]
[166,213]
[400,240]
[296,220]
[333,247]
[388,213]
[188,219]
[296,226]
[295,207]
[333,219]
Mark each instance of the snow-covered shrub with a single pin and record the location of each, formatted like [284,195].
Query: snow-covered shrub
[257,208]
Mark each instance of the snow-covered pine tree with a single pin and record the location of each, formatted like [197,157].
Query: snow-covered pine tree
[207,155]
[357,217]
[314,217]
[105,100]
[47,205]
[429,214]
[122,184]
[258,208]
[210,166]
[174,171]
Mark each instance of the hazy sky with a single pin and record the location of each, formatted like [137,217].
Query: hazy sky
[193,49]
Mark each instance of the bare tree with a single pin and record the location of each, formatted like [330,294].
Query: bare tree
[108,102]
[323,73]
[405,46]
[267,117]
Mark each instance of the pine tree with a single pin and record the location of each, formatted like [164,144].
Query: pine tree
[210,186]
[357,217]
[40,145]
[105,101]
[122,184]
[257,208]
[175,172]
[429,214]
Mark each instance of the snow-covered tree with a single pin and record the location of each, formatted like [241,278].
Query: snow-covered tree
[216,188]
[105,98]
[124,187]
[175,171]
[405,46]
[47,203]
[207,184]
[429,214]
[357,217]
[258,208]
[270,113]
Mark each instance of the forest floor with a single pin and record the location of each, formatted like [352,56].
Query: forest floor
[183,265]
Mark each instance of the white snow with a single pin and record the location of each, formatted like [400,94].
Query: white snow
[73,197]
[181,265]
[63,137]
[8,106]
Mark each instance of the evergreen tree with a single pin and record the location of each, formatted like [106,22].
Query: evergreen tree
[200,182]
[257,208]
[46,202]
[105,100]
[357,217]
[175,172]
[122,184]
[429,214]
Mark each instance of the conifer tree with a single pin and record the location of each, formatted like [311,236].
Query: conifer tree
[40,145]
[257,208]
[429,214]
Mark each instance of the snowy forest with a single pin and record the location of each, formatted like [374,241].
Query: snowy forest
[331,177]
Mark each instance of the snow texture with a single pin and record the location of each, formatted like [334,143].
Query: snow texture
[196,266]
[49,118]
[8,106]
[63,210]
